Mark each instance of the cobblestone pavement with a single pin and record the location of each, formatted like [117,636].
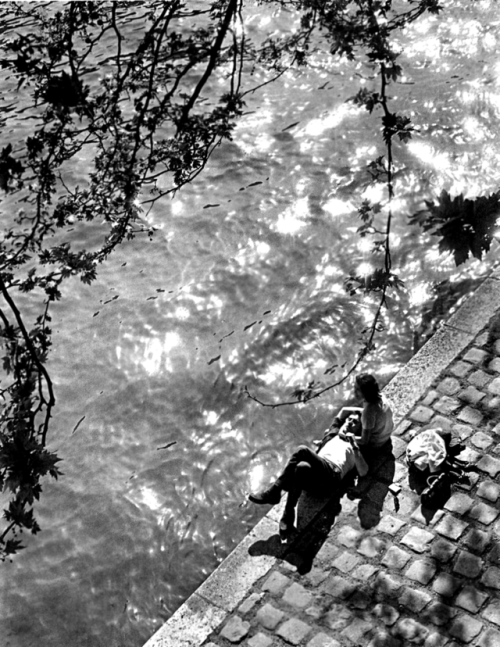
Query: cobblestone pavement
[382,571]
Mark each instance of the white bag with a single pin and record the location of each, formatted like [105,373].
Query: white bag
[426,450]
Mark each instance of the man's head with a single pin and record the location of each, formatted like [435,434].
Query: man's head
[366,386]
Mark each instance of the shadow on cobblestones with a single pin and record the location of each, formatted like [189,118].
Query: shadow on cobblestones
[316,517]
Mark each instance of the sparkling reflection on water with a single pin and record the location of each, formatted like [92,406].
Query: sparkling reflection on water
[154,357]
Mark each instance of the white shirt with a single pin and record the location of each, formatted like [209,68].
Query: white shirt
[340,453]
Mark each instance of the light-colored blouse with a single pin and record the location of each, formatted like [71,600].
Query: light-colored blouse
[377,423]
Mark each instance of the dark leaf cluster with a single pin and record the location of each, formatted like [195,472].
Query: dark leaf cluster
[466,226]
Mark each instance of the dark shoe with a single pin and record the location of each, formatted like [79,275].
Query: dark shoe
[269,496]
[286,523]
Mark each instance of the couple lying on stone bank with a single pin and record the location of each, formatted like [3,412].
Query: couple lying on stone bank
[355,430]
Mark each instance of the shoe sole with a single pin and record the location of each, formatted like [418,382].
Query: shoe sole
[260,502]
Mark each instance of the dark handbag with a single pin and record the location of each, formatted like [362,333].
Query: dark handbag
[438,487]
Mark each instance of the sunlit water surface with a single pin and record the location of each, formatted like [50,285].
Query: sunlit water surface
[157,471]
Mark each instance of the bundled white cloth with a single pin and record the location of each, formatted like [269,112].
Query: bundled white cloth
[426,450]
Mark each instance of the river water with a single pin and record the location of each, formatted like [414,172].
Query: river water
[160,445]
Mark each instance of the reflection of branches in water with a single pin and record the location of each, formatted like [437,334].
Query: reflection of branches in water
[381,280]
[112,109]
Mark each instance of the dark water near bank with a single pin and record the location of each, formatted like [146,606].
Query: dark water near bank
[156,473]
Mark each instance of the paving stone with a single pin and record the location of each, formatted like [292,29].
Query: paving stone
[420,515]
[338,587]
[260,640]
[489,490]
[467,564]
[494,387]
[465,628]
[492,612]
[276,583]
[470,455]
[471,395]
[470,416]
[371,546]
[477,540]
[346,562]
[248,604]
[421,570]
[382,638]
[417,539]
[471,599]
[438,613]
[297,596]
[491,578]
[386,613]
[402,428]
[479,379]
[421,414]
[235,629]
[323,640]
[356,630]
[462,431]
[449,386]
[316,576]
[489,464]
[338,617]
[293,631]
[387,585]
[443,550]
[475,356]
[269,616]
[398,447]
[415,599]
[429,398]
[446,585]
[349,537]
[472,479]
[494,365]
[442,422]
[326,554]
[451,527]
[491,405]
[364,572]
[315,611]
[494,555]
[360,599]
[395,558]
[459,503]
[411,630]
[483,513]
[489,638]
[400,471]
[446,405]
[460,368]
[482,339]
[435,639]
[481,441]
[408,501]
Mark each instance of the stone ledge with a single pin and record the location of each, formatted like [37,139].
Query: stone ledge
[190,625]
[419,373]
[476,311]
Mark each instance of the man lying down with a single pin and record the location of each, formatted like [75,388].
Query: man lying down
[319,473]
